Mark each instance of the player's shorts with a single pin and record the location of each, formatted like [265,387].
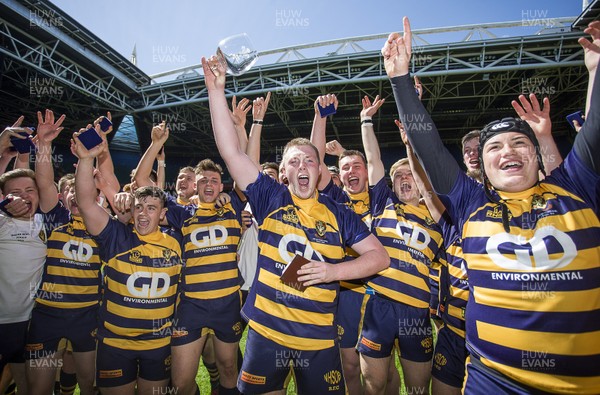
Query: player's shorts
[386,320]
[49,325]
[481,380]
[267,364]
[13,337]
[351,307]
[449,358]
[222,315]
[116,366]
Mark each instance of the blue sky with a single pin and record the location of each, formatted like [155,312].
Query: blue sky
[170,34]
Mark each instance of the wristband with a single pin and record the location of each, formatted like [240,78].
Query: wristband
[366,121]
[161,163]
[258,122]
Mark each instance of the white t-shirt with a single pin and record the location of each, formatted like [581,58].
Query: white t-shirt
[248,253]
[22,258]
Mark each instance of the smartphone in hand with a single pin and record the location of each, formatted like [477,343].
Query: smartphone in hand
[326,111]
[576,116]
[90,138]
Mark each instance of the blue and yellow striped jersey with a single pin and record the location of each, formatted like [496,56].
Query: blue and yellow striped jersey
[71,276]
[141,277]
[534,307]
[210,239]
[412,239]
[360,204]
[454,283]
[317,228]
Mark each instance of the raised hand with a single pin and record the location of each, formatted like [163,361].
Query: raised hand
[259,107]
[326,100]
[334,148]
[160,133]
[12,131]
[214,73]
[79,150]
[397,50]
[403,134]
[239,111]
[369,109]
[48,129]
[99,119]
[418,86]
[537,117]
[591,49]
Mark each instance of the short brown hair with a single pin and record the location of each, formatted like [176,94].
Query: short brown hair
[352,152]
[187,168]
[65,181]
[470,136]
[270,165]
[208,165]
[17,173]
[401,162]
[300,141]
[151,191]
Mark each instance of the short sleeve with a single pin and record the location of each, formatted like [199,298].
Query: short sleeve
[380,193]
[176,213]
[576,177]
[263,195]
[352,228]
[56,217]
[335,192]
[114,239]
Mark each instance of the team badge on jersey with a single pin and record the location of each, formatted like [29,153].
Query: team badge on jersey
[167,254]
[399,210]
[70,229]
[220,211]
[538,202]
[291,216]
[496,212]
[321,228]
[135,256]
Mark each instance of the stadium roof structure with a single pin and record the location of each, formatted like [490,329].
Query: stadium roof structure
[470,75]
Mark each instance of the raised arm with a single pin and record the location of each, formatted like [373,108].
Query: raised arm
[439,164]
[94,216]
[159,135]
[6,149]
[370,144]
[104,160]
[47,131]
[239,112]
[318,135]
[432,201]
[259,110]
[587,141]
[5,158]
[240,166]
[539,119]
[590,62]
[160,168]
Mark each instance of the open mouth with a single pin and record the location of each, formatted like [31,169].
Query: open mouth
[512,166]
[405,187]
[353,181]
[143,223]
[303,180]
